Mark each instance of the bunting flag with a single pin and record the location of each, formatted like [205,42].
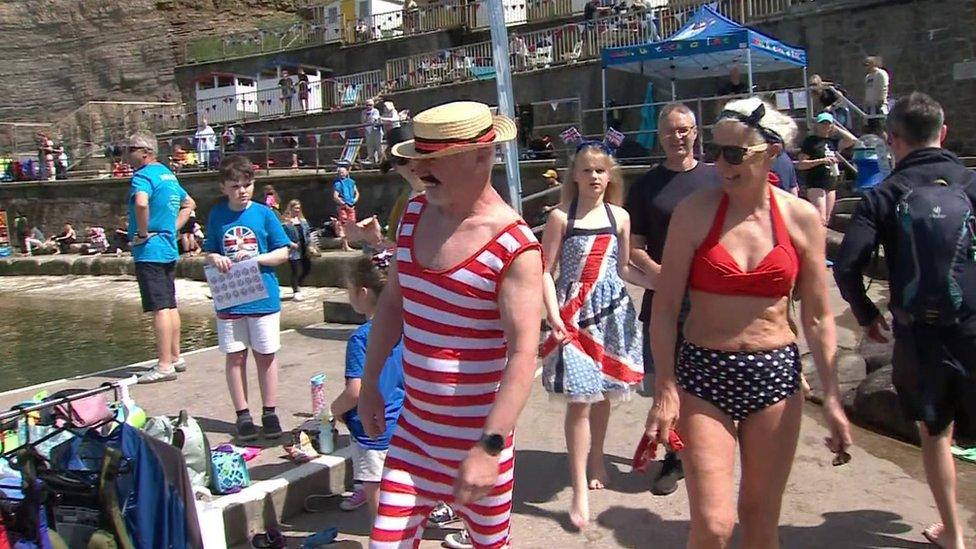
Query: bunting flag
[571,135]
[614,138]
[342,134]
[554,105]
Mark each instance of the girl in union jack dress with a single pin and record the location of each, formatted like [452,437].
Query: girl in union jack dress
[592,354]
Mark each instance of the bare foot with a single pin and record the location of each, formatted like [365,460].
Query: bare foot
[936,535]
[579,511]
[596,471]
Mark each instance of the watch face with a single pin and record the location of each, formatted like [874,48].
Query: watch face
[494,444]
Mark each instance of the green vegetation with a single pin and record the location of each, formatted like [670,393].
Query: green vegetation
[274,33]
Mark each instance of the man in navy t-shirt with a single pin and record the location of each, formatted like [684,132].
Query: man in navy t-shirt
[786,173]
[158,208]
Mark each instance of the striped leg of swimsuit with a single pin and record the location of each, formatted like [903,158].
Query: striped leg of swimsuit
[454,357]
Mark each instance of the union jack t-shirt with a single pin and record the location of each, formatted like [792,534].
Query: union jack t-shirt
[243,235]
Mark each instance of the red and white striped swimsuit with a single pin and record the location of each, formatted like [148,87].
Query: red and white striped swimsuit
[454,356]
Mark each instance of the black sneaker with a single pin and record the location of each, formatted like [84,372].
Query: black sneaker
[270,426]
[246,429]
[441,516]
[667,479]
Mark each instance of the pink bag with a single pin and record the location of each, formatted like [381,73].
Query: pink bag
[84,412]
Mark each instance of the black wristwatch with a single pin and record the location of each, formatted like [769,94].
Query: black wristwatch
[492,443]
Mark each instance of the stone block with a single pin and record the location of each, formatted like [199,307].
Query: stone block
[339,311]
[55,266]
[876,405]
[81,266]
[876,355]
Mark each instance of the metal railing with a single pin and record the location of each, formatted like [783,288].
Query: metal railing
[446,15]
[319,148]
[353,90]
[406,22]
[265,40]
[792,101]
[471,62]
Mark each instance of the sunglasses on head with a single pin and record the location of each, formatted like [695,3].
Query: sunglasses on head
[730,153]
[595,144]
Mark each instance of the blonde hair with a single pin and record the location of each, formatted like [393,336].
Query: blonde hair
[773,120]
[615,186]
[291,204]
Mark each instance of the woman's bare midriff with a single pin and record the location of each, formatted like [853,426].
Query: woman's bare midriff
[738,323]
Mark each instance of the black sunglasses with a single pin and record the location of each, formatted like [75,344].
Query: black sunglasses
[730,153]
[131,149]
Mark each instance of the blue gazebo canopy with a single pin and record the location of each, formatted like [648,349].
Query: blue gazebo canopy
[705,47]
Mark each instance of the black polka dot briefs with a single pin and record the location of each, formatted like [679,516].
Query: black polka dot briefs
[739,383]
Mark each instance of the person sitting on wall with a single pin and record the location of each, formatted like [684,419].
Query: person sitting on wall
[36,242]
[178,159]
[542,148]
[121,169]
[64,240]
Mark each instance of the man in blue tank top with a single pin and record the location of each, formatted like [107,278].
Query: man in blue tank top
[158,207]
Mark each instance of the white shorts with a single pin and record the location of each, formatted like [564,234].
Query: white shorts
[367,465]
[261,334]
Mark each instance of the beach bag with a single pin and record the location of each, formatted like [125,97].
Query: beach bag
[185,433]
[936,248]
[230,470]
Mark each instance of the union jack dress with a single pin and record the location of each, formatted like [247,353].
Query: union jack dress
[601,357]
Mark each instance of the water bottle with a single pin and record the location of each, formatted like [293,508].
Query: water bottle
[327,433]
[317,384]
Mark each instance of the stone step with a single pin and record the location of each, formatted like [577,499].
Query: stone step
[330,269]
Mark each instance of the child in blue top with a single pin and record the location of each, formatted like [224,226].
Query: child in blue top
[366,281]
[345,194]
[239,229]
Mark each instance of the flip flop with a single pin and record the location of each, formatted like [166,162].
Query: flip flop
[933,532]
[272,539]
[322,537]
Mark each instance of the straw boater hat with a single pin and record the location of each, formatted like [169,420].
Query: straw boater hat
[454,128]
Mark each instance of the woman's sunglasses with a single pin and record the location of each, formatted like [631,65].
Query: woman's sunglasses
[730,153]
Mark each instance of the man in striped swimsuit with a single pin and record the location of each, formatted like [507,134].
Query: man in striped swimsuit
[467,297]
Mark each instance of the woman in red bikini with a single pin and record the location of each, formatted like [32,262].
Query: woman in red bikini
[734,375]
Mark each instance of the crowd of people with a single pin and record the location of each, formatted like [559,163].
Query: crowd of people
[454,287]
[714,340]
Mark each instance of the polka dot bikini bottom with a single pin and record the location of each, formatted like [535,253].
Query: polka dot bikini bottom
[739,383]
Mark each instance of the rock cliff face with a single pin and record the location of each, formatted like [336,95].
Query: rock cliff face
[58,54]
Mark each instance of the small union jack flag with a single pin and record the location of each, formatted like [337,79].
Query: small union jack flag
[571,135]
[614,138]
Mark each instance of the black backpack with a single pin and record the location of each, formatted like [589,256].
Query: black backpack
[936,248]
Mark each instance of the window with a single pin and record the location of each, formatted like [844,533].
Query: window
[364,9]
[333,15]
[207,84]
[246,82]
[225,81]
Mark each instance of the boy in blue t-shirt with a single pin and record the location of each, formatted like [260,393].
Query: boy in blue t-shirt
[365,283]
[239,229]
[346,195]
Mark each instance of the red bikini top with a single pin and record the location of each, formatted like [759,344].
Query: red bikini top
[715,271]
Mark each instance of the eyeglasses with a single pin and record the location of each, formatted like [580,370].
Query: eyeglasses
[680,133]
[595,144]
[730,153]
[131,149]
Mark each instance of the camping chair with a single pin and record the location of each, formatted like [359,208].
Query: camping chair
[350,95]
[574,55]
[350,152]
[541,58]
